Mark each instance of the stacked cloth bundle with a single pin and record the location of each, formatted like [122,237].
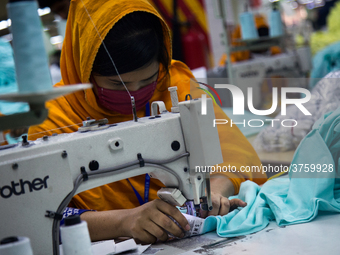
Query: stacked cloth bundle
[296,199]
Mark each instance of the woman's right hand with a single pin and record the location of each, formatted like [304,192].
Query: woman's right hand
[147,223]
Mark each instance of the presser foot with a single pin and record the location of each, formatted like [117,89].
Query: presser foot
[195,210]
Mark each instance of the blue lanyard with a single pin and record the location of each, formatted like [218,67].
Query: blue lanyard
[147,109]
[146,190]
[147,177]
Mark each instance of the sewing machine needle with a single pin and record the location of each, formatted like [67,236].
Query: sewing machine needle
[134,111]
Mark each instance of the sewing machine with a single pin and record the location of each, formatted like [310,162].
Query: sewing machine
[39,178]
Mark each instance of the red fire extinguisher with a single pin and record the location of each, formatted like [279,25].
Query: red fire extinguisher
[195,47]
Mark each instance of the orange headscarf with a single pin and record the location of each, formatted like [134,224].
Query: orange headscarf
[66,113]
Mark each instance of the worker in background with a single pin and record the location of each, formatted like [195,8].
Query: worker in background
[138,41]
[263,31]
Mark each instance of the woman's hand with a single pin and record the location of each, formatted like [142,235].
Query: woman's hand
[221,189]
[222,205]
[147,223]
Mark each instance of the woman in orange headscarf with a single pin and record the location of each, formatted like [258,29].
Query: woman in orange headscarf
[138,41]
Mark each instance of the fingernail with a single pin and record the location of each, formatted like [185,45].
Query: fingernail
[187,227]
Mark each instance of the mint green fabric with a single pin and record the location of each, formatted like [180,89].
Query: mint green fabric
[296,199]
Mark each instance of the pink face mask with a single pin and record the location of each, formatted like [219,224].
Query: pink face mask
[120,101]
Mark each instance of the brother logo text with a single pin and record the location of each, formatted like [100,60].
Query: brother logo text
[20,187]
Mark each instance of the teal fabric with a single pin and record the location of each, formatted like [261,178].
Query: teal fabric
[296,199]
[245,129]
[324,62]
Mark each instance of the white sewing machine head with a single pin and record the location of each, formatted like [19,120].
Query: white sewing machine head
[39,178]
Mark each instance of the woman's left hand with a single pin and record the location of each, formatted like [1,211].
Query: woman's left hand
[222,205]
